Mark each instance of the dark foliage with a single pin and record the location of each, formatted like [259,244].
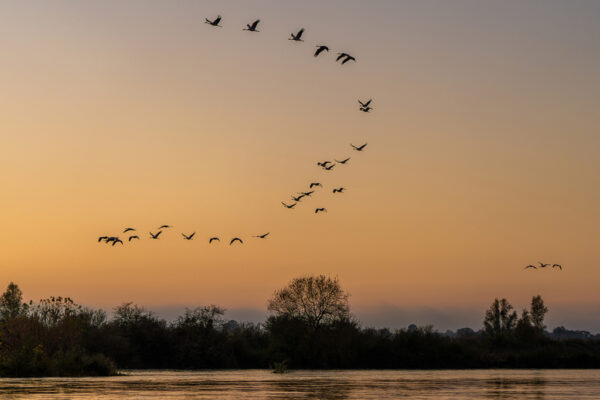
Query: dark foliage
[57,337]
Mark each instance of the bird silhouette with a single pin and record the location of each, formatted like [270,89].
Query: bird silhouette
[297,199]
[320,49]
[359,148]
[307,194]
[366,109]
[164,226]
[343,161]
[557,266]
[365,105]
[128,229]
[252,27]
[348,58]
[213,23]
[155,236]
[236,239]
[339,190]
[110,239]
[262,236]
[542,265]
[289,206]
[530,266]
[117,240]
[315,184]
[212,239]
[318,210]
[329,168]
[323,164]
[133,237]
[188,237]
[101,238]
[298,36]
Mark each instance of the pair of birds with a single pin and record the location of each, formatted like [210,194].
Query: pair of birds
[366,107]
[110,239]
[543,265]
[344,57]
[325,164]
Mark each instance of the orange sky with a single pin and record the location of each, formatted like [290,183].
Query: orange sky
[483,150]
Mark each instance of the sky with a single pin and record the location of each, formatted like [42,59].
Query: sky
[482,157]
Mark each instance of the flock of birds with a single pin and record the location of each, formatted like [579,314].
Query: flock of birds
[365,106]
[543,265]
[113,240]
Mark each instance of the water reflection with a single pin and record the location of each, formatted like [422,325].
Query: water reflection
[328,385]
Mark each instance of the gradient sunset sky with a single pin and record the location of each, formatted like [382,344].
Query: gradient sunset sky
[483,155]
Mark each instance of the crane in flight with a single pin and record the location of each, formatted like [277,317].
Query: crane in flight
[188,237]
[212,239]
[530,266]
[155,236]
[236,239]
[321,209]
[289,206]
[542,265]
[339,190]
[263,236]
[346,57]
[321,49]
[343,161]
[298,36]
[164,226]
[359,148]
[252,27]
[128,230]
[557,266]
[313,184]
[215,22]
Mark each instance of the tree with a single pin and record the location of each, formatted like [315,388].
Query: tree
[500,319]
[316,300]
[206,317]
[11,303]
[538,313]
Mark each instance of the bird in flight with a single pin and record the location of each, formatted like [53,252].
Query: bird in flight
[153,236]
[188,237]
[323,164]
[343,161]
[128,229]
[262,236]
[252,27]
[101,238]
[329,168]
[307,194]
[133,237]
[530,266]
[346,57]
[557,266]
[288,206]
[298,36]
[366,109]
[236,239]
[110,239]
[212,239]
[315,184]
[213,23]
[339,190]
[297,199]
[365,105]
[318,210]
[164,226]
[359,148]
[116,240]
[542,265]
[320,49]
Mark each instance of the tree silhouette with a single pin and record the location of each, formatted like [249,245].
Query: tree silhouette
[500,319]
[11,303]
[538,313]
[316,300]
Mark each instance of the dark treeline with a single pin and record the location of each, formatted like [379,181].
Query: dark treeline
[310,327]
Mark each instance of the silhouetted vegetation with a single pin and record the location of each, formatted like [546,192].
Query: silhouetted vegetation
[310,327]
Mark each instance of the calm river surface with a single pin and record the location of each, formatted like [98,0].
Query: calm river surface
[261,384]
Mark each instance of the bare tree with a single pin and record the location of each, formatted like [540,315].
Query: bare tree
[317,300]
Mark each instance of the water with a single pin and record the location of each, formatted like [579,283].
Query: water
[261,384]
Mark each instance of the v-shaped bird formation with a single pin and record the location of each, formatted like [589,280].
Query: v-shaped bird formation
[342,58]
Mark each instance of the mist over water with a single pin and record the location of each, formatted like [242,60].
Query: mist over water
[263,384]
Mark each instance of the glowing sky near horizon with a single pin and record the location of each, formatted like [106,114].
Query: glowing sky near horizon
[483,150]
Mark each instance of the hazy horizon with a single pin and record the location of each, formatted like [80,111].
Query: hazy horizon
[483,154]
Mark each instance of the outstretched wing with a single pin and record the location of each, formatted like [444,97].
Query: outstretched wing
[299,34]
[255,24]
